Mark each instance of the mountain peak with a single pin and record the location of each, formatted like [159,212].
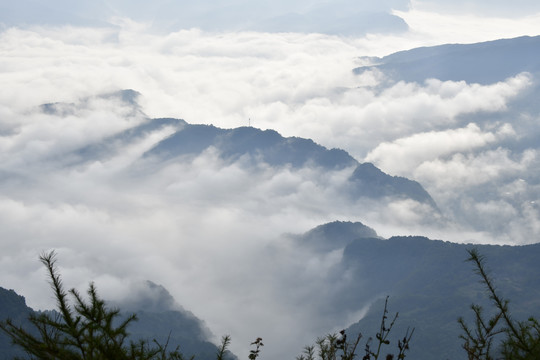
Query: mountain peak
[335,235]
[261,145]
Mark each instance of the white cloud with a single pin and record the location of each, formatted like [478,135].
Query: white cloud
[182,225]
[112,222]
[439,26]
[471,169]
[406,154]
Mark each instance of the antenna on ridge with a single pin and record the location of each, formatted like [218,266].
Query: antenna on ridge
[249,122]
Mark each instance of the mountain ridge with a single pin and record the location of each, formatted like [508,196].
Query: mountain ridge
[249,147]
[270,147]
[158,318]
[484,63]
[428,281]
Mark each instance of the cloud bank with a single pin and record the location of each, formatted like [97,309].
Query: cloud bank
[184,224]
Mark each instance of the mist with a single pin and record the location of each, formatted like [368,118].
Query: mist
[120,218]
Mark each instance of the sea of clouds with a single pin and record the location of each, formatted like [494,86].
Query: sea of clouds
[211,231]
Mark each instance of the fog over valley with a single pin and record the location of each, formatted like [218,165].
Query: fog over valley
[193,144]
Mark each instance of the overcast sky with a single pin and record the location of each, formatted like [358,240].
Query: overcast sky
[207,64]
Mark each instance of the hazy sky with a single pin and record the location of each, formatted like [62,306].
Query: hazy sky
[170,225]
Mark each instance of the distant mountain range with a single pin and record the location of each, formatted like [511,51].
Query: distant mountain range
[248,146]
[428,281]
[271,148]
[483,63]
[488,65]
[344,17]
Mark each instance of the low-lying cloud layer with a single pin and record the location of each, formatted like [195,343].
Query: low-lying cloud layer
[184,224]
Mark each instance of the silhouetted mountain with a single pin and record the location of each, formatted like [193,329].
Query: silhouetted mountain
[248,146]
[159,318]
[268,146]
[109,147]
[262,145]
[12,306]
[334,235]
[429,283]
[484,63]
[191,139]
